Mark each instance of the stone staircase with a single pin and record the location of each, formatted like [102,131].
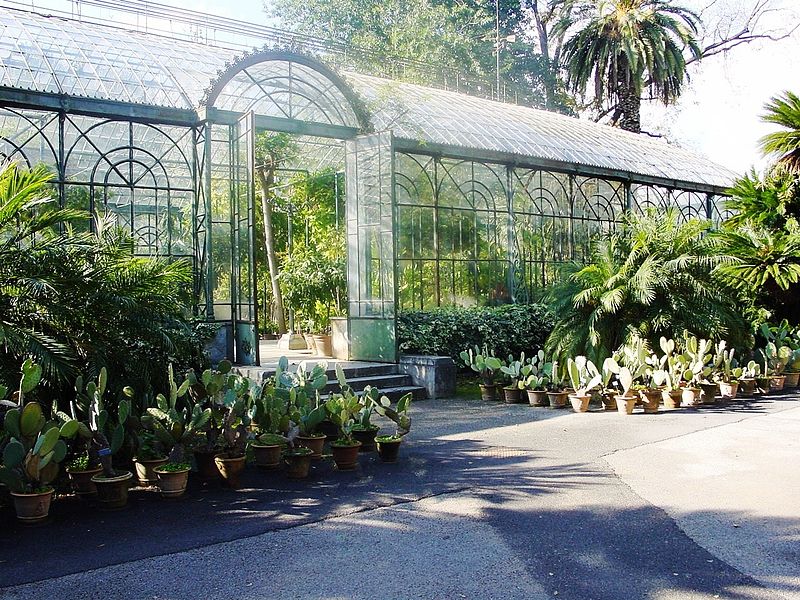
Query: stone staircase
[386,377]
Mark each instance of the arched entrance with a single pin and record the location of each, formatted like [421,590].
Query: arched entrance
[289,93]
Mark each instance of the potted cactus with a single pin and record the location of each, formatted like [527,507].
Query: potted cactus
[32,455]
[364,430]
[556,395]
[728,374]
[176,428]
[104,434]
[700,389]
[747,381]
[308,413]
[609,370]
[584,377]
[674,366]
[775,360]
[80,471]
[298,461]
[792,370]
[655,376]
[270,415]
[536,374]
[626,401]
[512,393]
[230,459]
[389,445]
[486,366]
[343,408]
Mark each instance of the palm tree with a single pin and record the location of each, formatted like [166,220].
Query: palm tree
[654,277]
[623,47]
[784,111]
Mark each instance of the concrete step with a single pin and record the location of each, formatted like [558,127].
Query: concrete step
[395,393]
[378,381]
[352,370]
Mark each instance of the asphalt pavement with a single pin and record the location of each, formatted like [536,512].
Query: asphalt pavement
[487,501]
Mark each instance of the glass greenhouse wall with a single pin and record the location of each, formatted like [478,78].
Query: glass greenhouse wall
[450,199]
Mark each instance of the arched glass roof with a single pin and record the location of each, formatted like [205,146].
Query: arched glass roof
[70,58]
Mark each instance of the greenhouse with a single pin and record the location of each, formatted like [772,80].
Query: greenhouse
[447,198]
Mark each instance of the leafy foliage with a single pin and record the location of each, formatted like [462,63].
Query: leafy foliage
[78,301]
[785,143]
[509,329]
[654,277]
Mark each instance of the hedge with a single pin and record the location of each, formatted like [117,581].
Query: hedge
[508,329]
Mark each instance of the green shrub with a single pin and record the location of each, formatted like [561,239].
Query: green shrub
[508,329]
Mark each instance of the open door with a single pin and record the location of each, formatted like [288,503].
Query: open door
[243,288]
[371,248]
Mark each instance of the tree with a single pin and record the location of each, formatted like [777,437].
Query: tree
[424,39]
[784,144]
[272,150]
[624,47]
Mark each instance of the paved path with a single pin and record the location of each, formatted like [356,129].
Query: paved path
[489,501]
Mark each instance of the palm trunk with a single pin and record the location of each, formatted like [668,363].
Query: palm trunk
[630,103]
[265,180]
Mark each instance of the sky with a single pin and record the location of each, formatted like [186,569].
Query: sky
[719,112]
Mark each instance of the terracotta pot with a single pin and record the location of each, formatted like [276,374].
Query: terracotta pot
[625,404]
[32,508]
[172,483]
[315,444]
[792,380]
[747,386]
[388,451]
[537,398]
[323,345]
[310,345]
[580,404]
[708,393]
[609,400]
[764,384]
[557,399]
[728,389]
[691,396]
[777,383]
[367,438]
[512,395]
[345,457]
[206,465]
[112,492]
[488,393]
[297,465]
[651,398]
[230,469]
[82,481]
[145,470]
[672,398]
[267,456]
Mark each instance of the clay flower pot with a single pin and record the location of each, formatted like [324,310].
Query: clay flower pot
[691,396]
[708,393]
[580,404]
[172,483]
[625,404]
[388,448]
[764,384]
[488,393]
[537,398]
[747,386]
[230,469]
[557,399]
[672,398]
[345,456]
[268,456]
[728,389]
[366,437]
[609,400]
[777,382]
[82,481]
[32,508]
[323,345]
[298,463]
[206,465]
[315,443]
[145,470]
[112,492]
[651,398]
[792,379]
[512,395]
